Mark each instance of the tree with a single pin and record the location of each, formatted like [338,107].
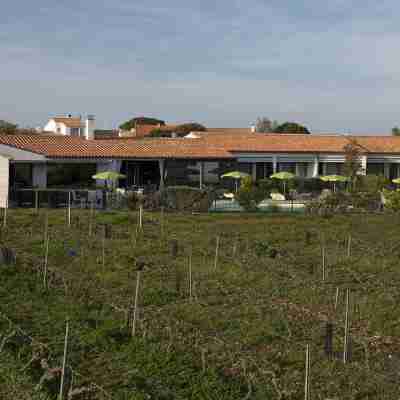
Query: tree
[352,165]
[180,130]
[396,131]
[291,127]
[185,129]
[7,128]
[263,125]
[131,124]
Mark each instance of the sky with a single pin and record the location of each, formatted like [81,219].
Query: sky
[333,66]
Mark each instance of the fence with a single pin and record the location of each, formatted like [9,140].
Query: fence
[231,205]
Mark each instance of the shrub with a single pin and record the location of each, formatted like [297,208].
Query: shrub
[133,200]
[372,183]
[250,195]
[392,199]
[186,198]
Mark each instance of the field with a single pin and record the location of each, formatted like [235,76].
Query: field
[225,308]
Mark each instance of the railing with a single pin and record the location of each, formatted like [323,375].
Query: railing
[57,198]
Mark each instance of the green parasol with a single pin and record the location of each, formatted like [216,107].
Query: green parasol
[334,179]
[109,176]
[283,176]
[237,175]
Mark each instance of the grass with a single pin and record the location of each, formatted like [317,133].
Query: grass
[244,332]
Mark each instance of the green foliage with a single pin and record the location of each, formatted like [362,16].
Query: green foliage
[254,313]
[250,195]
[396,131]
[372,183]
[343,202]
[160,132]
[352,164]
[7,128]
[263,125]
[392,198]
[180,130]
[185,129]
[291,127]
[186,198]
[131,124]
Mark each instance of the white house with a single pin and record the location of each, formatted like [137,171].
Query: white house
[71,126]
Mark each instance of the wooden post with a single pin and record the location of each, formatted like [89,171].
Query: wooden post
[5,214]
[235,245]
[103,248]
[346,329]
[329,340]
[307,375]
[46,228]
[336,298]
[36,200]
[216,253]
[136,304]
[46,259]
[190,274]
[141,216]
[61,394]
[91,218]
[162,221]
[69,209]
[349,246]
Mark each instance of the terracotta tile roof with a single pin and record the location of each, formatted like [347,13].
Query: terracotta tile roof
[292,143]
[70,122]
[205,147]
[75,147]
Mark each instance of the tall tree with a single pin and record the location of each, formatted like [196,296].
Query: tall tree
[7,128]
[180,131]
[291,127]
[131,124]
[396,131]
[263,125]
[352,165]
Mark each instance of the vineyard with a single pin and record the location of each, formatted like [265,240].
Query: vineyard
[98,305]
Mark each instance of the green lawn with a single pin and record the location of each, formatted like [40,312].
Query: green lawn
[243,333]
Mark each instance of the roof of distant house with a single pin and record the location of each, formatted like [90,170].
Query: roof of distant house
[70,122]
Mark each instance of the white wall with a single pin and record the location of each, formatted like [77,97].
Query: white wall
[53,126]
[4,176]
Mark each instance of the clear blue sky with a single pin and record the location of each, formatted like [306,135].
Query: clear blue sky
[333,65]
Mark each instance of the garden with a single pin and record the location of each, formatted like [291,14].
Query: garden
[160,305]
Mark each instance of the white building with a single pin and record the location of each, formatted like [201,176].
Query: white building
[71,126]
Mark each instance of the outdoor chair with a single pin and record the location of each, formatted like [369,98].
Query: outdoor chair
[277,197]
[229,196]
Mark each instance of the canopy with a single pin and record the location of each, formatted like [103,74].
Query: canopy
[109,176]
[235,175]
[284,176]
[334,178]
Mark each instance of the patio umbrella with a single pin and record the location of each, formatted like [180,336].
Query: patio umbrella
[283,176]
[334,179]
[109,176]
[236,175]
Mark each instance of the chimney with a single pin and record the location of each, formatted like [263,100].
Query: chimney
[89,127]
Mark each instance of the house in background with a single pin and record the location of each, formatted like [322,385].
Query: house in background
[71,126]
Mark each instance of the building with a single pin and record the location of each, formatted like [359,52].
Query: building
[35,161]
[71,126]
